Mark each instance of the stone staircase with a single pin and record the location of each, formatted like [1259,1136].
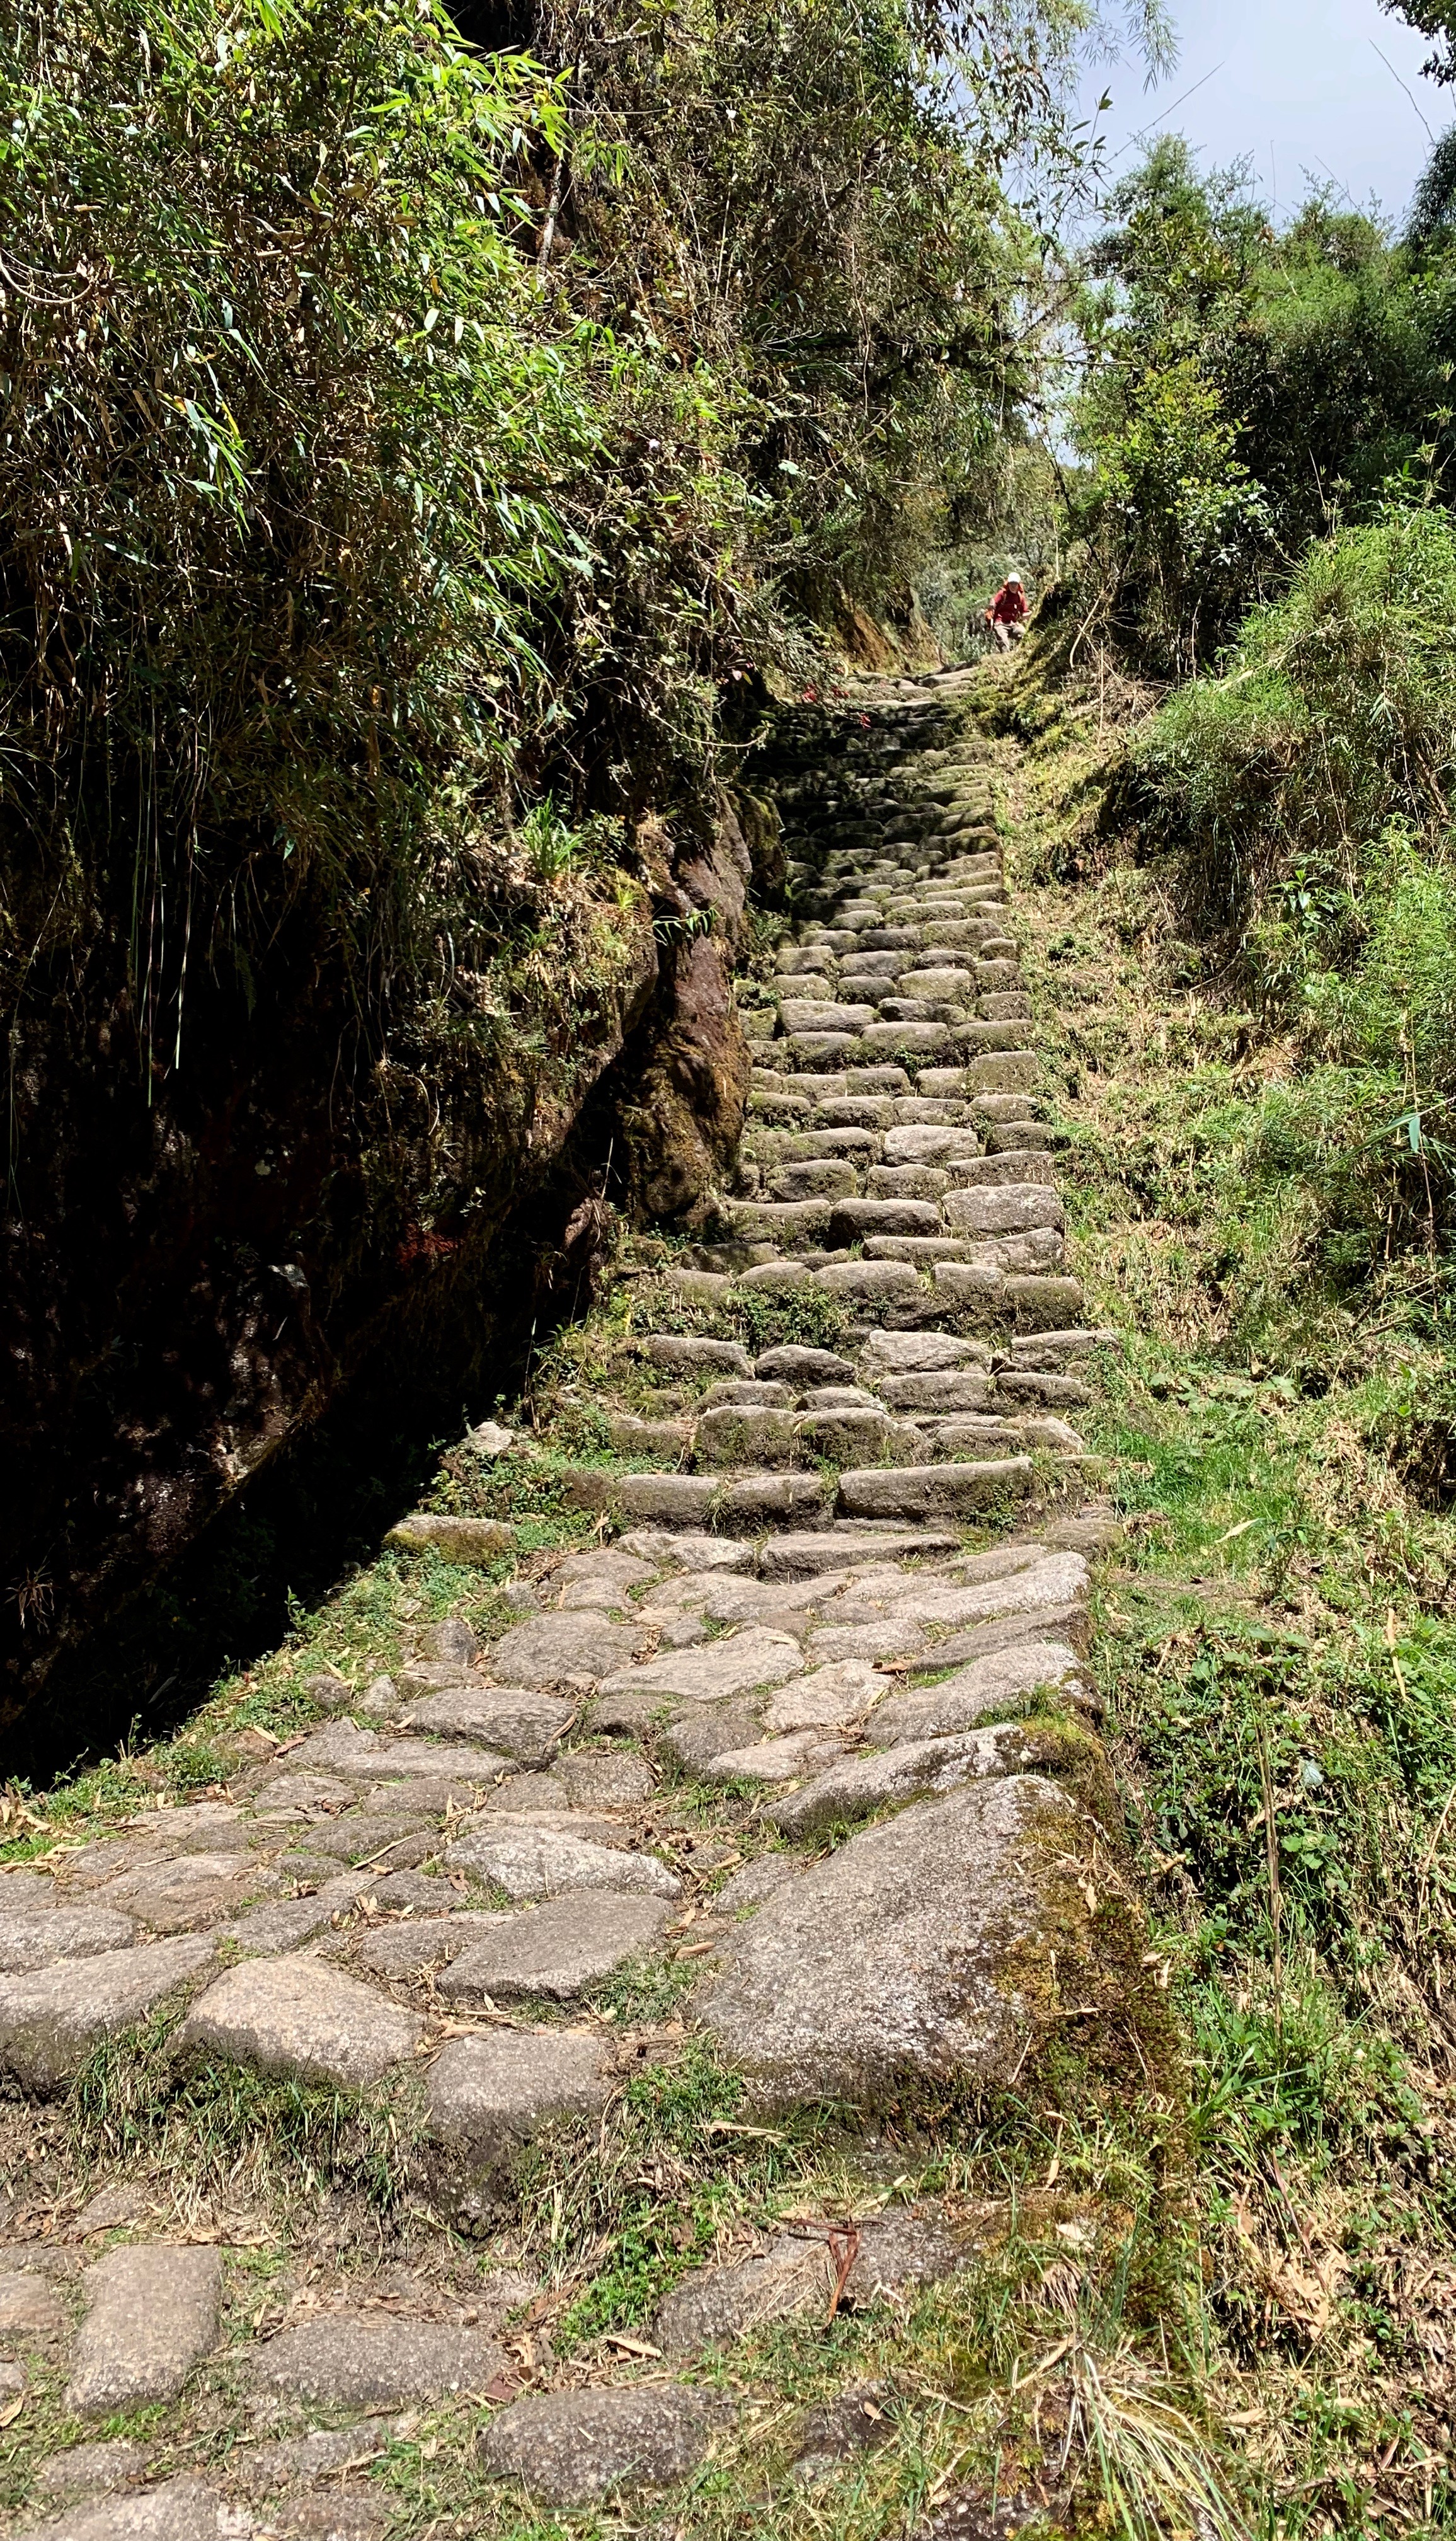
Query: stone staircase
[780,1754]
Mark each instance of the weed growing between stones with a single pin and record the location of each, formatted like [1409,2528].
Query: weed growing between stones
[233,2136]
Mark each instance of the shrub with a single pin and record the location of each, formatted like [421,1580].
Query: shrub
[1307,791]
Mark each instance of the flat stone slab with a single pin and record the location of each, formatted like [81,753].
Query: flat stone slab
[769,1499]
[895,1961]
[595,1581]
[796,2271]
[302,2018]
[1038,1303]
[451,1639]
[825,1699]
[1008,1210]
[634,1437]
[565,1648]
[756,1880]
[904,1353]
[471,1543]
[797,1365]
[95,2470]
[292,1921]
[572,2447]
[596,1781]
[948,1389]
[652,1501]
[180,2509]
[705,1730]
[557,1949]
[25,1891]
[882,1284]
[49,2023]
[715,2306]
[301,1797]
[151,2314]
[366,1756]
[298,2461]
[527,1794]
[488,2096]
[179,1896]
[34,1940]
[853,1219]
[908,1037]
[716,1670]
[688,1550]
[1052,1348]
[162,1834]
[694,1352]
[899,2250]
[856,1435]
[1009,1165]
[516,1723]
[812,1015]
[737,1434]
[861,1785]
[340,2361]
[773,1760]
[806,1556]
[31,2306]
[386,1836]
[530,1862]
[959,1702]
[404,1950]
[910,1491]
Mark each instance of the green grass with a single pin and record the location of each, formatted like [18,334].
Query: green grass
[231,2133]
[1278,1653]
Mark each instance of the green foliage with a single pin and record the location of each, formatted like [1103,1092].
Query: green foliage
[1306,790]
[395,435]
[281,445]
[765,1319]
[1356,1746]
[1245,387]
[809,198]
[1437,18]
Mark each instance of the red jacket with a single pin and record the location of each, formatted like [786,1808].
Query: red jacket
[1009,604]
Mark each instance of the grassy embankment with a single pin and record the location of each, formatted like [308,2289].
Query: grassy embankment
[1278,1643]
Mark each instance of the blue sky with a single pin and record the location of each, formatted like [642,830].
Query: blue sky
[1301,79]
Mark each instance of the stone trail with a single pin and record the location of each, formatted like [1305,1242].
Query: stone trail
[846,1586]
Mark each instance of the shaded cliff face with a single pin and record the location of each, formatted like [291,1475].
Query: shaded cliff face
[198,1269]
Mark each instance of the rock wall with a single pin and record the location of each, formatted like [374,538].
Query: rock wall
[203,1263]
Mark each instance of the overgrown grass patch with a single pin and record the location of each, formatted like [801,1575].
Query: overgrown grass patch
[232,2134]
[1276,1648]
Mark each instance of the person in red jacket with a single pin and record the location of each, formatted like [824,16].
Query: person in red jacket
[1006,615]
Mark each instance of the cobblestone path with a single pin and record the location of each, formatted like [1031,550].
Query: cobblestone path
[787,1766]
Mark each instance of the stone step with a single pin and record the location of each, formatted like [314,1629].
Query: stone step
[935,1490]
[915,1248]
